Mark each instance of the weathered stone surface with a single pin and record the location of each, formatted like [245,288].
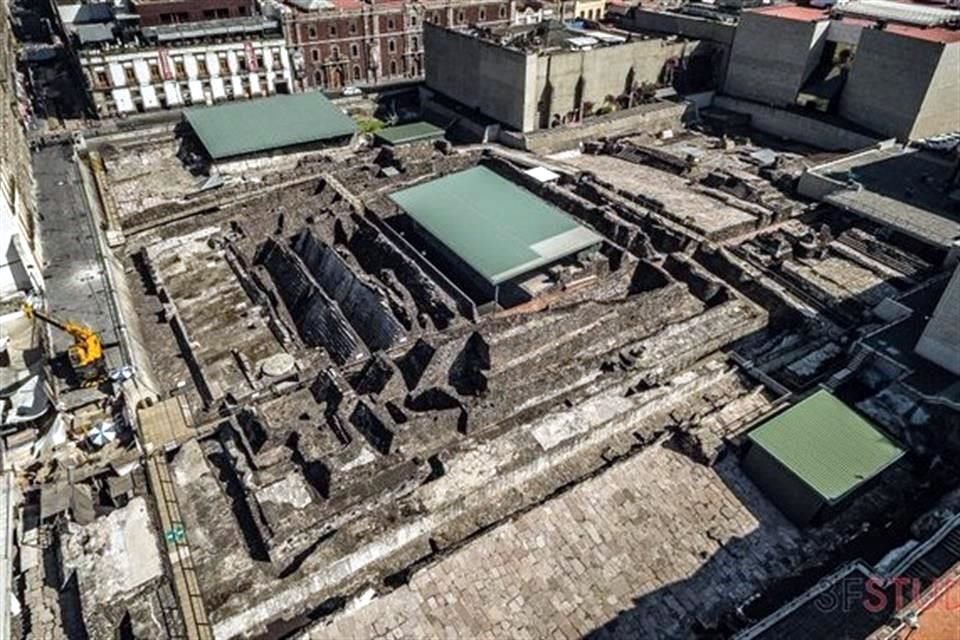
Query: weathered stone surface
[646,549]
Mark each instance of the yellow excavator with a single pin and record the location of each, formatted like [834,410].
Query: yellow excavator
[86,352]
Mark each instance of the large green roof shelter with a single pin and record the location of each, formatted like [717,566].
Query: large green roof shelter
[264,124]
[498,228]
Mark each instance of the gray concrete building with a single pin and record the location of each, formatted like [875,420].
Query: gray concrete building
[543,75]
[905,83]
[940,340]
[895,73]
[774,52]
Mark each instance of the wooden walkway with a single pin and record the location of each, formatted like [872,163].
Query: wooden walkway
[162,426]
[185,584]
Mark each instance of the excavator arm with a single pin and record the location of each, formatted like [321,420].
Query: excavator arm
[86,352]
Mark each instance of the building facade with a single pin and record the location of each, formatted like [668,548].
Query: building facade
[589,9]
[531,86]
[340,43]
[532,12]
[19,270]
[176,65]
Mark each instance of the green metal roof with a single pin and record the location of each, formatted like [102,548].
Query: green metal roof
[410,132]
[498,228]
[262,124]
[827,445]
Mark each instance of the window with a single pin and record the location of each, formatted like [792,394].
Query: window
[312,32]
[413,20]
[102,79]
[483,14]
[460,16]
[392,45]
[174,18]
[241,11]
[334,52]
[435,18]
[315,55]
[179,69]
[353,27]
[357,74]
[503,12]
[393,67]
[155,72]
[318,78]
[354,50]
[414,43]
[390,24]
[333,31]
[202,67]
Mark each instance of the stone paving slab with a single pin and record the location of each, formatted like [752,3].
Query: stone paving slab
[642,551]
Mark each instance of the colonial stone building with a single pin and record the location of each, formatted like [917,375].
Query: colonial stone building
[338,43]
[188,64]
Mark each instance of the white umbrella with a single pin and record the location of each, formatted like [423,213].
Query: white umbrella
[102,433]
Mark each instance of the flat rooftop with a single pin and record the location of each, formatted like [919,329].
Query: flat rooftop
[549,36]
[210,28]
[907,189]
[498,228]
[909,19]
[239,128]
[826,444]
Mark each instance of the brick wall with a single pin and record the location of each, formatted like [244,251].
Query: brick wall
[153,13]
[378,43]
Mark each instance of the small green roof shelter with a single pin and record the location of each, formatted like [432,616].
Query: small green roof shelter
[811,459]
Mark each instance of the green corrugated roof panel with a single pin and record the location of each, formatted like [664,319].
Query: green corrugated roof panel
[827,445]
[263,124]
[410,132]
[498,228]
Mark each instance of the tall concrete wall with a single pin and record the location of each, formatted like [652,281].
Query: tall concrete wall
[648,118]
[525,90]
[796,126]
[894,78]
[940,342]
[482,75]
[596,74]
[772,57]
[940,112]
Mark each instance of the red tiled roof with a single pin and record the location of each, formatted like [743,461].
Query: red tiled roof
[944,35]
[794,12]
[931,34]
